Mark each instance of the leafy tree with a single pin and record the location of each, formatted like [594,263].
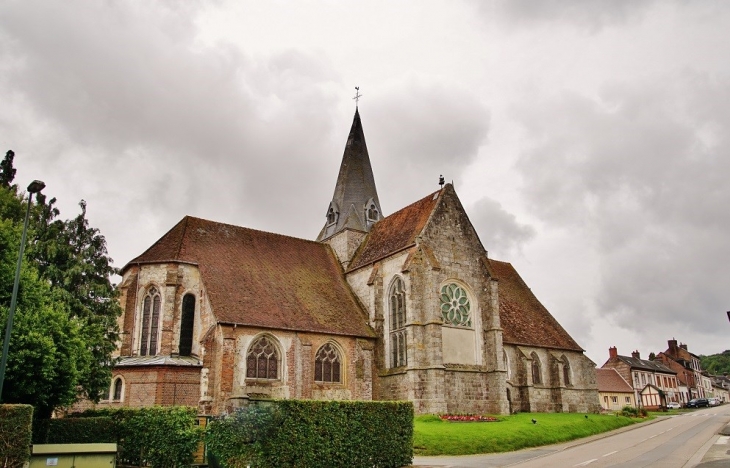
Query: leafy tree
[67,320]
[652,356]
[7,171]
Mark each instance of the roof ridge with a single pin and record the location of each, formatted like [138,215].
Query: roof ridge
[275,234]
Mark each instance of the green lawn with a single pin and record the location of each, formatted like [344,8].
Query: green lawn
[432,436]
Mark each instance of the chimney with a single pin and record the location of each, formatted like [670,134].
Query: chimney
[635,354]
[683,346]
[672,347]
[612,352]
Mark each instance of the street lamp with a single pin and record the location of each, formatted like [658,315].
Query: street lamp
[35,187]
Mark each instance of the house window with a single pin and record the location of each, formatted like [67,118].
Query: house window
[628,400]
[327,364]
[262,360]
[614,399]
[536,373]
[150,322]
[455,306]
[398,342]
[187,322]
[117,389]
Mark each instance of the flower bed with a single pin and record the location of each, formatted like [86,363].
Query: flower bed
[468,418]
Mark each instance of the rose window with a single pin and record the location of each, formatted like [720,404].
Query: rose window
[455,306]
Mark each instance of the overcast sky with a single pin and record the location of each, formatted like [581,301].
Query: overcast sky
[588,140]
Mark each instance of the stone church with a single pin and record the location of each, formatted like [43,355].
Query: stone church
[401,307]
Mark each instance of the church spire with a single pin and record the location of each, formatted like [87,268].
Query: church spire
[355,203]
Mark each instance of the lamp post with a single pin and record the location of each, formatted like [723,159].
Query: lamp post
[35,187]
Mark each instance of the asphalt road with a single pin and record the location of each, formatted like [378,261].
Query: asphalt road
[678,441]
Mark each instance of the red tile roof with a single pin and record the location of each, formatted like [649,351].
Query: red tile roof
[609,380]
[525,321]
[262,279]
[396,232]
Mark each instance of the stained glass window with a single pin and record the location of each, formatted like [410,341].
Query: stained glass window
[327,364]
[455,306]
[150,323]
[397,324]
[262,360]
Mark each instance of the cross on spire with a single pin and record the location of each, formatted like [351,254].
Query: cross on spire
[357,96]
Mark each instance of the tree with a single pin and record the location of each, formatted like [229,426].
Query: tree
[78,307]
[652,356]
[7,171]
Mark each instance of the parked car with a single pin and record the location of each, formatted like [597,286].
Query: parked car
[673,405]
[714,401]
[698,403]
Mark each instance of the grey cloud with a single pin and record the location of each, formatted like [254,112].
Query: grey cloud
[500,232]
[417,132]
[588,15]
[641,170]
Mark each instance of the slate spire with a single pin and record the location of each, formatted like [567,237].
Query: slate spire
[355,203]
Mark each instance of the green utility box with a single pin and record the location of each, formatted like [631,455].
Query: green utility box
[74,455]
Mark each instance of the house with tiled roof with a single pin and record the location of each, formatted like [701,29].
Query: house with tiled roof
[613,391]
[401,307]
[688,368]
[643,373]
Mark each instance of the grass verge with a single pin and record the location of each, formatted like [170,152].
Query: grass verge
[433,436]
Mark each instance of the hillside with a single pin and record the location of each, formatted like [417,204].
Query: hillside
[716,364]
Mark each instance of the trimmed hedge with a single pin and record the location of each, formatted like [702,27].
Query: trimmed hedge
[161,436]
[15,434]
[315,434]
[98,430]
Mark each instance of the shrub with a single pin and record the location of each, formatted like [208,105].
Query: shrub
[15,434]
[164,437]
[631,412]
[237,440]
[316,433]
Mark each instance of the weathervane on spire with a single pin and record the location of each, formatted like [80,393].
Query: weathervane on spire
[357,96]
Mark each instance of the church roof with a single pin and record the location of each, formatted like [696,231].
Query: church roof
[397,231]
[263,279]
[355,186]
[525,321]
[609,380]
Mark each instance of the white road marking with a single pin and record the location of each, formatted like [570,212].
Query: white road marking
[610,453]
[586,462]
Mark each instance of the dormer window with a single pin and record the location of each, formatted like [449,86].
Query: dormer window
[371,211]
[332,214]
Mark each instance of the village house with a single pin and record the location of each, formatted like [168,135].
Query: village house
[689,370]
[401,307]
[654,384]
[613,391]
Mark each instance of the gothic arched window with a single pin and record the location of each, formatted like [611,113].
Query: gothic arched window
[150,322]
[117,389]
[327,364]
[566,371]
[455,305]
[262,360]
[187,323]
[536,372]
[398,342]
